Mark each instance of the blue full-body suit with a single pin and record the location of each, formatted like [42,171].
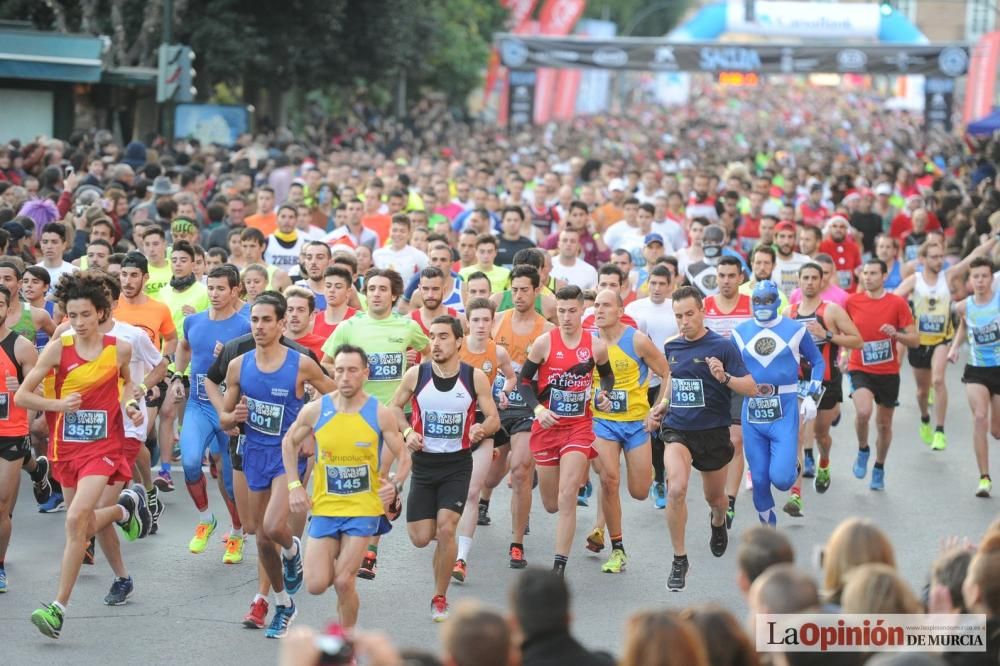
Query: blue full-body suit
[772,347]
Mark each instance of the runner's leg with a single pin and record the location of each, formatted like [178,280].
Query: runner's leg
[352,551]
[83,520]
[571,472]
[979,404]
[107,539]
[482,459]
[883,422]
[677,461]
[10,481]
[521,472]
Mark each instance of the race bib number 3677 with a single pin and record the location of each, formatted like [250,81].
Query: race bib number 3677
[876,352]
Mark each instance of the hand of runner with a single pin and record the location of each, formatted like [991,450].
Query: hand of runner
[177,390]
[603,402]
[889,330]
[411,357]
[154,392]
[414,442]
[547,419]
[476,433]
[386,493]
[807,410]
[188,310]
[71,403]
[952,355]
[656,415]
[12,383]
[815,329]
[716,368]
[504,402]
[299,500]
[241,413]
[134,414]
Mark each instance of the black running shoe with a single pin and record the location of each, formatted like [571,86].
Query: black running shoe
[720,538]
[42,488]
[484,515]
[678,575]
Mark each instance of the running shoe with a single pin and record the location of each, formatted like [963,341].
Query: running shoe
[136,526]
[985,488]
[3,580]
[368,568]
[234,550]
[163,481]
[582,499]
[42,489]
[145,512]
[822,481]
[439,608]
[939,441]
[720,538]
[926,432]
[809,465]
[291,568]
[257,617]
[748,484]
[121,590]
[878,479]
[659,494]
[678,575]
[201,535]
[861,463]
[730,517]
[517,560]
[283,616]
[49,620]
[595,540]
[484,515]
[155,508]
[616,563]
[459,571]
[55,504]
[88,555]
[793,507]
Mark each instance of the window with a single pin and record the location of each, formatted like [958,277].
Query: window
[980,18]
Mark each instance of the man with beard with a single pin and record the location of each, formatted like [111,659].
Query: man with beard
[316,257]
[788,262]
[762,262]
[845,252]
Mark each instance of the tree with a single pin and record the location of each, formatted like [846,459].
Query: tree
[640,18]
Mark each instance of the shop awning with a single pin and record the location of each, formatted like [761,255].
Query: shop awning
[48,56]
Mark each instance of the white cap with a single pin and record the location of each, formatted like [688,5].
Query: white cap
[883,189]
[616,184]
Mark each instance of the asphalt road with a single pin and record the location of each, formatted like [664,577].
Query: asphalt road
[187,608]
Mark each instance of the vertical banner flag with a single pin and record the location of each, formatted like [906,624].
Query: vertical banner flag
[980,86]
[520,14]
[556,19]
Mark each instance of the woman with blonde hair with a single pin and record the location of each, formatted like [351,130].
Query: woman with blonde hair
[877,588]
[854,542]
[662,638]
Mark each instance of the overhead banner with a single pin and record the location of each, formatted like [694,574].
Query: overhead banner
[810,20]
[651,54]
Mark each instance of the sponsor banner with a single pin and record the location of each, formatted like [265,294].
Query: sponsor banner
[837,632]
[939,103]
[980,88]
[521,96]
[651,54]
[813,20]
[556,18]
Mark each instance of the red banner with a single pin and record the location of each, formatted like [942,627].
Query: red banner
[557,19]
[520,18]
[980,85]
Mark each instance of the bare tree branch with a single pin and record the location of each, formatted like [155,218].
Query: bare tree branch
[59,14]
[118,54]
[88,17]
[142,52]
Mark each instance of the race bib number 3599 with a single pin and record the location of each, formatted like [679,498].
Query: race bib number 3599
[443,425]
[85,425]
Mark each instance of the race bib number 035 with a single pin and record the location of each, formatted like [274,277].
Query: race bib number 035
[876,352]
[686,393]
[763,410]
[85,425]
[265,417]
[385,366]
[347,480]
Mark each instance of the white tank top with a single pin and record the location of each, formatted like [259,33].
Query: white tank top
[282,257]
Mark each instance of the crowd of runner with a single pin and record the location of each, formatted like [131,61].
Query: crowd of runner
[338,334]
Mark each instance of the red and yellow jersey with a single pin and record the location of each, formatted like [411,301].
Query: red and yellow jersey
[96,427]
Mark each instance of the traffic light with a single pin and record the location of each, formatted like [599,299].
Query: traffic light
[175,74]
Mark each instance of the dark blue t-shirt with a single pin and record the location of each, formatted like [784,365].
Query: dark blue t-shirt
[697,400]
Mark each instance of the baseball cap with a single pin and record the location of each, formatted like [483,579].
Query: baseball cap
[883,189]
[784,226]
[616,184]
[653,238]
[15,229]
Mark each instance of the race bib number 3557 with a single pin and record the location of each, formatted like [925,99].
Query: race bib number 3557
[85,425]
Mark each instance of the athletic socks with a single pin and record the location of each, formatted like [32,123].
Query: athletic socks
[796,491]
[938,428]
[879,465]
[257,597]
[824,462]
[62,609]
[617,543]
[282,598]
[559,566]
[289,553]
[732,502]
[373,549]
[925,419]
[484,502]
[464,546]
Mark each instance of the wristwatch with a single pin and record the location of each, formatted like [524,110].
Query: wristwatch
[729,378]
[829,336]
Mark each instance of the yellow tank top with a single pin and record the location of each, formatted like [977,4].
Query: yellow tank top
[628,398]
[347,455]
[932,311]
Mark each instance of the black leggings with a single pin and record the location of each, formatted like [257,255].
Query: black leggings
[657,447]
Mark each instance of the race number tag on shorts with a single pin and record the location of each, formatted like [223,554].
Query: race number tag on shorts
[764,410]
[347,480]
[199,387]
[4,406]
[619,401]
[385,366]
[931,323]
[686,393]
[567,403]
[986,335]
[443,425]
[85,425]
[265,417]
[876,352]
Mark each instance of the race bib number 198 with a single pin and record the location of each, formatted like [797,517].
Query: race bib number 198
[686,393]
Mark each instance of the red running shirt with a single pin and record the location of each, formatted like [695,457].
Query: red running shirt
[878,354]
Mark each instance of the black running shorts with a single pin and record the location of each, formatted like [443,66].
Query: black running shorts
[885,388]
[710,449]
[14,449]
[988,377]
[438,481]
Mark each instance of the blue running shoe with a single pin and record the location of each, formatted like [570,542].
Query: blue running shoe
[55,503]
[861,463]
[809,465]
[292,569]
[121,590]
[878,479]
[585,493]
[3,580]
[659,495]
[283,616]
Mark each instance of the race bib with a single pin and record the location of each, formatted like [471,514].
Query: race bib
[265,417]
[789,280]
[764,410]
[347,480]
[199,387]
[844,279]
[686,393]
[514,398]
[4,406]
[932,323]
[910,252]
[443,425]
[619,401]
[85,425]
[567,403]
[876,352]
[386,366]
[986,335]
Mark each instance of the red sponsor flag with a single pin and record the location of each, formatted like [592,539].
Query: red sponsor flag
[980,86]
[557,18]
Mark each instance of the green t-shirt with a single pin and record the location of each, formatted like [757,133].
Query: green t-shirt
[159,279]
[196,296]
[385,341]
[498,276]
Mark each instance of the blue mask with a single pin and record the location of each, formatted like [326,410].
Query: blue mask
[765,301]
